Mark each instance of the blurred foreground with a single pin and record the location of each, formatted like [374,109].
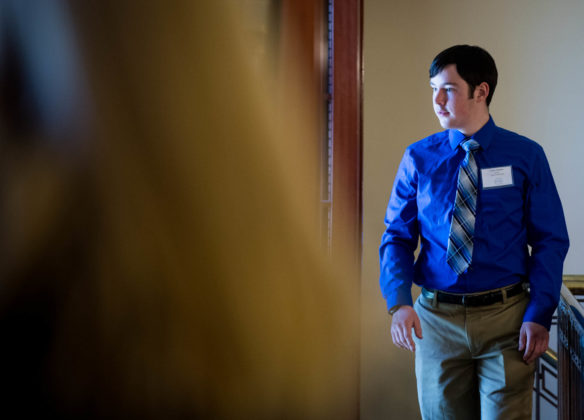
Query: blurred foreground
[160,257]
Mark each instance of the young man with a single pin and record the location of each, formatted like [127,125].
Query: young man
[482,203]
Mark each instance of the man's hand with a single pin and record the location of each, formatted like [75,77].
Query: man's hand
[404,319]
[534,339]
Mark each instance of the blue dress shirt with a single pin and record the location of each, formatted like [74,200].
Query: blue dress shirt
[520,232]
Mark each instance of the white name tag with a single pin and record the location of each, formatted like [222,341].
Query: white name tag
[497,177]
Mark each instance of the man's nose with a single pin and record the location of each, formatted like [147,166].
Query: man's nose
[440,97]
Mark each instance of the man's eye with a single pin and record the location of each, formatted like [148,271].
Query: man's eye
[449,90]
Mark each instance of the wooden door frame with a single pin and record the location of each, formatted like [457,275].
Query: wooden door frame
[304,20]
[347,213]
[348,130]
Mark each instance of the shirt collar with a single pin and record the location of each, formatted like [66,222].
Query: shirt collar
[483,136]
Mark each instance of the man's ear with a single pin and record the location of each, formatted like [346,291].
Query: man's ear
[482,91]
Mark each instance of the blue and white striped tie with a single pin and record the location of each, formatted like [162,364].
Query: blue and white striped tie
[460,245]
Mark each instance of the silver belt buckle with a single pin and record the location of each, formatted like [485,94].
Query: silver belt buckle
[427,293]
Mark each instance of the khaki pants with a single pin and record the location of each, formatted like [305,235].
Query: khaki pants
[468,366]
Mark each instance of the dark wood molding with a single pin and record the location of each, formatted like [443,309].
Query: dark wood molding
[346,240]
[302,31]
[348,129]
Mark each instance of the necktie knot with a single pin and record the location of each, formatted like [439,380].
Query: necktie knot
[470,145]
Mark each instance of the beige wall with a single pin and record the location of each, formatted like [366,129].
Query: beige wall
[539,49]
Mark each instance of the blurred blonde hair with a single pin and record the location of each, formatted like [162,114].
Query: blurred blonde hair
[183,243]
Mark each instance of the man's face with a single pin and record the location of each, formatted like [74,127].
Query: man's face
[451,99]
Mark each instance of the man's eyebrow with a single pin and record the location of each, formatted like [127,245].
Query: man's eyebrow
[446,84]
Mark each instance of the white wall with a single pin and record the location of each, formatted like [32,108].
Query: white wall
[538,46]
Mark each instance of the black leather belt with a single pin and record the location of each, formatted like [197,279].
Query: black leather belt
[482,299]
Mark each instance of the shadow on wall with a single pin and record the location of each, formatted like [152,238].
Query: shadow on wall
[159,257]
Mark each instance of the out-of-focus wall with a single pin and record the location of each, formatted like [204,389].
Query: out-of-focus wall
[538,48]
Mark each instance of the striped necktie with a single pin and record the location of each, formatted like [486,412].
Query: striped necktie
[459,253]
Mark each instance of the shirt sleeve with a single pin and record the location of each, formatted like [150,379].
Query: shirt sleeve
[400,239]
[548,237]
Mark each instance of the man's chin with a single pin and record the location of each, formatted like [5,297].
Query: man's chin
[445,123]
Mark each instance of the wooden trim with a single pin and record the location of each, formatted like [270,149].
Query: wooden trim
[346,240]
[347,130]
[575,283]
[300,65]
[302,32]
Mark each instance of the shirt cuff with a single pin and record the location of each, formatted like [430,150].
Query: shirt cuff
[401,296]
[539,315]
